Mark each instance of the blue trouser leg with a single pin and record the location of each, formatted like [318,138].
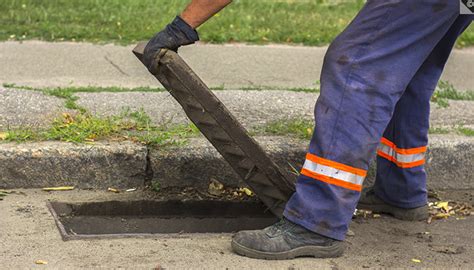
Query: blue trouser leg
[401,178]
[366,70]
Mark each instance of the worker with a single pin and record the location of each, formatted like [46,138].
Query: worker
[376,82]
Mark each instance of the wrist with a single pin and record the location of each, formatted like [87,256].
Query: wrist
[187,20]
[185,28]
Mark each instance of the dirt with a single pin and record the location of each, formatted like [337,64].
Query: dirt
[28,234]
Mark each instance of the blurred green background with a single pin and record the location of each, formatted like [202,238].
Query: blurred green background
[312,22]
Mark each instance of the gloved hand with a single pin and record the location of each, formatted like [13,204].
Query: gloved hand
[175,34]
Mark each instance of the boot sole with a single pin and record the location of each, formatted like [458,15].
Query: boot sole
[416,214]
[333,251]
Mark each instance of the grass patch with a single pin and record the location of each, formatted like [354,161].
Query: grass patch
[315,89]
[439,130]
[21,135]
[68,95]
[84,127]
[445,91]
[458,129]
[297,127]
[155,186]
[65,92]
[128,21]
[466,131]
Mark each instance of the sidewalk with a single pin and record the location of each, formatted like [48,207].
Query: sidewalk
[41,64]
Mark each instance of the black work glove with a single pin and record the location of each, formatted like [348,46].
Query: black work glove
[175,34]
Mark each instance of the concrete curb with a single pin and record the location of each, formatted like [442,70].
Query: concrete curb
[125,164]
[44,164]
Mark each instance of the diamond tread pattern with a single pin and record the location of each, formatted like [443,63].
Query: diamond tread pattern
[224,132]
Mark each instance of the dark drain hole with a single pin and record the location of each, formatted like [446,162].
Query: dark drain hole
[135,218]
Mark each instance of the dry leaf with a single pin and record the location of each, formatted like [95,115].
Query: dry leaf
[441,215]
[443,205]
[114,190]
[216,188]
[3,136]
[41,262]
[416,260]
[68,119]
[247,191]
[65,188]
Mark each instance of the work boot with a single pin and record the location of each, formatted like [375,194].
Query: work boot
[285,240]
[370,201]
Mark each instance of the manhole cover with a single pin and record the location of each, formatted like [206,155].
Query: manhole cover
[112,219]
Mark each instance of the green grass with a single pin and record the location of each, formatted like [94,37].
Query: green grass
[456,129]
[439,130]
[314,89]
[314,22]
[67,92]
[466,131]
[84,127]
[446,91]
[296,127]
[22,135]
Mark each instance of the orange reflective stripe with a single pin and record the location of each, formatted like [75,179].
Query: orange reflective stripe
[409,151]
[336,165]
[401,164]
[331,180]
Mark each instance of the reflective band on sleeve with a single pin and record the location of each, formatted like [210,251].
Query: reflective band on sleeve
[333,173]
[403,158]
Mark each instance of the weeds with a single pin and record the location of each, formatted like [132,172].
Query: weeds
[21,135]
[445,91]
[297,127]
[137,125]
[466,131]
[439,130]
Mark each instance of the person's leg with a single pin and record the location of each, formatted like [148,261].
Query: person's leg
[367,68]
[401,178]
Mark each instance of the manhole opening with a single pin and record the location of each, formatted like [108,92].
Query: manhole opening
[141,218]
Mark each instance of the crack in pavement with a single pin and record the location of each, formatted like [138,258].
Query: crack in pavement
[115,66]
